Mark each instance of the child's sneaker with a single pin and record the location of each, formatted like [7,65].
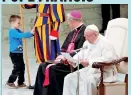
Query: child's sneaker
[22,86]
[11,85]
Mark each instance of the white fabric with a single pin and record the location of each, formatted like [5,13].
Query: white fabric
[90,77]
[52,38]
[117,34]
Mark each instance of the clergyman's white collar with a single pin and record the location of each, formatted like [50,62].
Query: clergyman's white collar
[78,26]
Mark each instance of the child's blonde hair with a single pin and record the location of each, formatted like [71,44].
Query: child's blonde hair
[13,18]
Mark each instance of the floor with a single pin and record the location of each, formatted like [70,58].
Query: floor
[6,70]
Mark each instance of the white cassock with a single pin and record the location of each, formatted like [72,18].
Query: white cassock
[89,77]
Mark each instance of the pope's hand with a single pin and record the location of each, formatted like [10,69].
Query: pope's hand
[84,62]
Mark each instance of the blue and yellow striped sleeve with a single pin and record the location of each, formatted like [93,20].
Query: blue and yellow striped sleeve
[57,12]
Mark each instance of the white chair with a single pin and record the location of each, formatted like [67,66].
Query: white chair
[117,34]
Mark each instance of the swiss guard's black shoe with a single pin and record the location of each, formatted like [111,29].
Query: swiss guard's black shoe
[31,87]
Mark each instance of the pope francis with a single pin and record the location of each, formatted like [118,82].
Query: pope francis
[99,50]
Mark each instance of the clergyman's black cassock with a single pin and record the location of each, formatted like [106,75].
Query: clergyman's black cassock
[58,71]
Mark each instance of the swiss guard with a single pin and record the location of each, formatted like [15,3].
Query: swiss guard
[46,37]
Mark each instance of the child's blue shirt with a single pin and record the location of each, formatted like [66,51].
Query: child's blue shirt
[15,40]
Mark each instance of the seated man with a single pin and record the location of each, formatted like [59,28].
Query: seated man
[59,71]
[99,50]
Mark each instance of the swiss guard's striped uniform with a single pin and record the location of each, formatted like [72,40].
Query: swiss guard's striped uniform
[49,17]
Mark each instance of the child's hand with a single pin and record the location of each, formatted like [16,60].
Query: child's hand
[33,30]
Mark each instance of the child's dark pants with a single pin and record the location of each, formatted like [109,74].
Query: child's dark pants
[18,68]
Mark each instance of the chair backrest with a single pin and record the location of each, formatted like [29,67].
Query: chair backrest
[117,34]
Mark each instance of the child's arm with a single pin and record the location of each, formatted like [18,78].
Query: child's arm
[17,34]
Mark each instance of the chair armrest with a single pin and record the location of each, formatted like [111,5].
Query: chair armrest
[114,62]
[101,65]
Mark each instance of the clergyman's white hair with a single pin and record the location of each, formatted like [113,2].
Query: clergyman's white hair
[92,27]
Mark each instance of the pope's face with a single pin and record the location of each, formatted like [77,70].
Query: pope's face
[91,36]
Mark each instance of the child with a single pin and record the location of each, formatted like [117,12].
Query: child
[16,52]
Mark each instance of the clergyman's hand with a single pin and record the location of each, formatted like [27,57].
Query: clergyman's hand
[69,62]
[60,57]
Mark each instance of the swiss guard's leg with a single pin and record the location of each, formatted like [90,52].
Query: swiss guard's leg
[42,43]
[42,49]
[57,74]
[38,43]
[40,79]
[55,46]
[55,51]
